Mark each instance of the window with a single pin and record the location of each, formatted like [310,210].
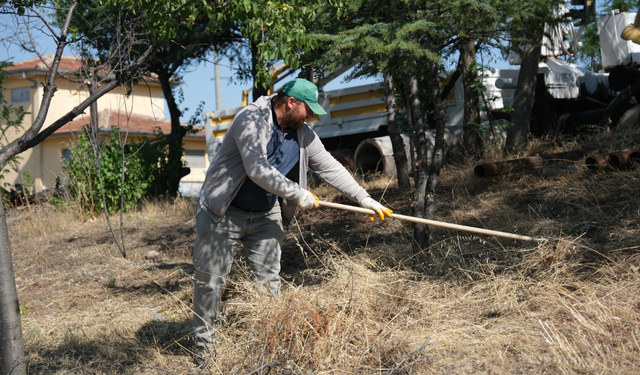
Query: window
[194,159]
[21,95]
[66,155]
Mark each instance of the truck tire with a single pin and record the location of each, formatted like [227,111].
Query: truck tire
[375,155]
[630,119]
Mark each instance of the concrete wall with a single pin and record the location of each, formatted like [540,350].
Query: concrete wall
[197,174]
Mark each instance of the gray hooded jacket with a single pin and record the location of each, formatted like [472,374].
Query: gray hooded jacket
[243,154]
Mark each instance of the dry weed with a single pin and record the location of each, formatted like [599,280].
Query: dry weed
[369,182]
[357,297]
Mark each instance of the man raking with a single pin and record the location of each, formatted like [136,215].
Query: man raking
[253,189]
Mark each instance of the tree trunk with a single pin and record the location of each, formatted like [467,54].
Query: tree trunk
[412,133]
[523,100]
[97,153]
[399,152]
[420,170]
[174,140]
[258,88]
[93,112]
[11,348]
[437,160]
[472,139]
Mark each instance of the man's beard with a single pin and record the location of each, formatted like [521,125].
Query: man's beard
[290,122]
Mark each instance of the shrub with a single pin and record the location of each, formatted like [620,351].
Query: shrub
[144,162]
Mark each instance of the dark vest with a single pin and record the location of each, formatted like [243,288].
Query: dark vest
[283,153]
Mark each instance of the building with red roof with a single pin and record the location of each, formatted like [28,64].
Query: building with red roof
[138,110]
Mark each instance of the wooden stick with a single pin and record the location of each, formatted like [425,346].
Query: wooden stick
[434,223]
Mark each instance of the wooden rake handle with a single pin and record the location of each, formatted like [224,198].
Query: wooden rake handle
[434,223]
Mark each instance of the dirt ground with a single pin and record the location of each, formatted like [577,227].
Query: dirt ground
[358,297]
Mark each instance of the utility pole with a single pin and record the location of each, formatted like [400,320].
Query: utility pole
[216,80]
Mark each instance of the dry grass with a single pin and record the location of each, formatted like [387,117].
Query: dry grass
[357,297]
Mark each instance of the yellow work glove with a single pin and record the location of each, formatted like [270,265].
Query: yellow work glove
[371,204]
[308,200]
[632,33]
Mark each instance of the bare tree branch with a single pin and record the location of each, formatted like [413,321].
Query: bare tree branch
[48,26]
[33,136]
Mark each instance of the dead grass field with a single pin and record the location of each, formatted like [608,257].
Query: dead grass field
[357,297]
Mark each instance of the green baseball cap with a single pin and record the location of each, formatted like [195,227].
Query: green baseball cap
[303,90]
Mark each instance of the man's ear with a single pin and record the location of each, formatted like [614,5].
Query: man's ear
[291,102]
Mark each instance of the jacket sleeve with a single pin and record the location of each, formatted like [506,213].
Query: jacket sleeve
[251,135]
[331,171]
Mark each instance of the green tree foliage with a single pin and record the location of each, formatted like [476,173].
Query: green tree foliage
[171,58]
[406,43]
[526,31]
[621,5]
[278,28]
[144,164]
[409,39]
[190,42]
[589,55]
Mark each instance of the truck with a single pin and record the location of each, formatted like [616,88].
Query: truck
[567,97]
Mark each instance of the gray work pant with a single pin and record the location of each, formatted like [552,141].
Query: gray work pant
[261,234]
